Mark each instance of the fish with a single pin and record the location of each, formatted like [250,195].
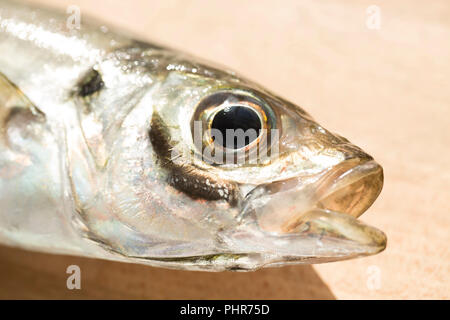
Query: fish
[115,148]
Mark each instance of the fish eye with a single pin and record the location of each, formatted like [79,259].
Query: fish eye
[237,117]
[232,123]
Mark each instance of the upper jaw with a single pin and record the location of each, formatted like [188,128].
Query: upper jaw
[352,187]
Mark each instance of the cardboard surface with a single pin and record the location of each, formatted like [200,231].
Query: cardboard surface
[386,90]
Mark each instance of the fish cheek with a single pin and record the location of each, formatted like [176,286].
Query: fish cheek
[185,177]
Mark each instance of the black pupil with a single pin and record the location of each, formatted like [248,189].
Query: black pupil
[235,118]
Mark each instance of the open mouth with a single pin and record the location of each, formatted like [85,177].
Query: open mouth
[349,188]
[297,220]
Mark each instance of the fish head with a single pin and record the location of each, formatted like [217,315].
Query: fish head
[212,171]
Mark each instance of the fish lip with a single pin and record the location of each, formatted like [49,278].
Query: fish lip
[351,187]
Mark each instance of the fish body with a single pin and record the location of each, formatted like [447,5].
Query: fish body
[116,148]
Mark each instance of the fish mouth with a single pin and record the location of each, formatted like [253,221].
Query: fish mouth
[300,220]
[351,188]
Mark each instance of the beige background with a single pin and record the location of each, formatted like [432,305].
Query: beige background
[386,90]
